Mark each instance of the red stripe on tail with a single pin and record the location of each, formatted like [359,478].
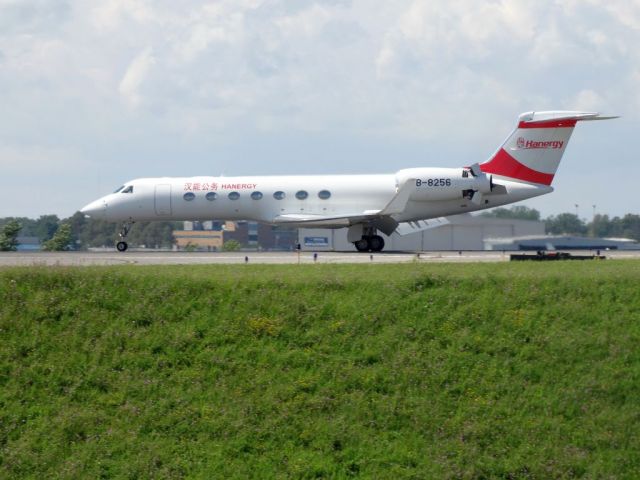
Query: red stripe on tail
[549,124]
[507,166]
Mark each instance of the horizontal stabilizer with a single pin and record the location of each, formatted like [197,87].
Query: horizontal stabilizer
[559,116]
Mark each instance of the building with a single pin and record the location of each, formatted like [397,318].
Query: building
[213,234]
[28,244]
[210,240]
[461,232]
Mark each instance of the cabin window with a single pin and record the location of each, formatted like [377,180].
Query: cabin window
[129,189]
[324,194]
[301,194]
[279,195]
[118,189]
[233,196]
[189,196]
[211,196]
[256,195]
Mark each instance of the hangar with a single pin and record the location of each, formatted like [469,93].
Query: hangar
[562,242]
[460,232]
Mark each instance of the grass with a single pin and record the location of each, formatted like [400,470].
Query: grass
[321,371]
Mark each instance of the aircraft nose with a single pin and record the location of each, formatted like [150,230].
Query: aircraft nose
[95,209]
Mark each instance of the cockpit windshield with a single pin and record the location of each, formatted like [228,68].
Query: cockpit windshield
[129,189]
[118,189]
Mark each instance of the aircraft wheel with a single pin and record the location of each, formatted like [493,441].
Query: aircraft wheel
[121,246]
[376,243]
[362,245]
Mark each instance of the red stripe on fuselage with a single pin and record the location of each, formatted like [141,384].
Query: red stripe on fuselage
[507,166]
[549,124]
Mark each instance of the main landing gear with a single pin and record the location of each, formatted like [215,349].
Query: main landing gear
[122,246]
[370,241]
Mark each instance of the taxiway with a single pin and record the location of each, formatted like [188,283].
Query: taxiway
[134,257]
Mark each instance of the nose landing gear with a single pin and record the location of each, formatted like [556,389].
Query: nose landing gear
[122,246]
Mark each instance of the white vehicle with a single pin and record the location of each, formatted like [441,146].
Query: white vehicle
[523,167]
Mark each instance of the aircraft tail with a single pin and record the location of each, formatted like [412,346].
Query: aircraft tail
[533,151]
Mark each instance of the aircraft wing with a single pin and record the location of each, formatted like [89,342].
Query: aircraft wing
[384,223]
[315,219]
[405,228]
[380,218]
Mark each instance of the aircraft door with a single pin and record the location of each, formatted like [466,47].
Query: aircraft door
[163,199]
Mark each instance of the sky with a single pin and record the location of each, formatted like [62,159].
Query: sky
[96,93]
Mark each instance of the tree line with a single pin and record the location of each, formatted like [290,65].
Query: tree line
[79,233]
[627,226]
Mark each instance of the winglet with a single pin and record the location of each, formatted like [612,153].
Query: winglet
[399,201]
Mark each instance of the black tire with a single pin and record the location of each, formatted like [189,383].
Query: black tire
[362,245]
[376,243]
[122,246]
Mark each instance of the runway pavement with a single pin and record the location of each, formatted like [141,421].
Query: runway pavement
[134,257]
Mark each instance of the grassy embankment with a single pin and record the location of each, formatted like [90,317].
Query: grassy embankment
[394,371]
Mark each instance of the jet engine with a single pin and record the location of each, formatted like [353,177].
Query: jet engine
[439,184]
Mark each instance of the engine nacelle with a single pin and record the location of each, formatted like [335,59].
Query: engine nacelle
[433,184]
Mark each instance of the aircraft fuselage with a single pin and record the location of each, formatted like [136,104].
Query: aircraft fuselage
[268,198]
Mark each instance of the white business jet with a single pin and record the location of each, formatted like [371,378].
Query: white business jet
[406,201]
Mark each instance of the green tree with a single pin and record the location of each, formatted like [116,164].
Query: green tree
[630,224]
[28,225]
[78,223]
[46,226]
[153,234]
[519,212]
[88,232]
[60,240]
[9,236]
[602,226]
[98,233]
[231,246]
[565,223]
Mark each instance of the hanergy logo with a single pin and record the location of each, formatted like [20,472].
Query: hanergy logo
[524,144]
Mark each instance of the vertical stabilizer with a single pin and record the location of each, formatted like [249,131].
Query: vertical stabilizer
[533,151]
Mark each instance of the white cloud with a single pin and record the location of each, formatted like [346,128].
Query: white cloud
[588,101]
[220,23]
[135,75]
[110,14]
[627,12]
[209,74]
[38,160]
[384,60]
[307,22]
